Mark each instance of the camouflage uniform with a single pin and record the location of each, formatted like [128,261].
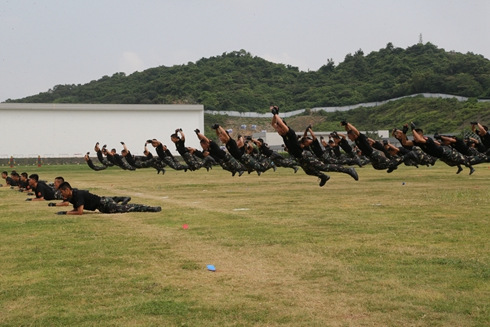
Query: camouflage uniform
[277,159]
[94,167]
[109,205]
[477,157]
[193,162]
[253,165]
[422,157]
[231,164]
[225,159]
[103,160]
[311,165]
[168,159]
[145,162]
[313,161]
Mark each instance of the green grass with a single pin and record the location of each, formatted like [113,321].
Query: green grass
[410,248]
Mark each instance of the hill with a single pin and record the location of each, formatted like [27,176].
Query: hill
[239,81]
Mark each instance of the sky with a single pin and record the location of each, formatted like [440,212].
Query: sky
[44,43]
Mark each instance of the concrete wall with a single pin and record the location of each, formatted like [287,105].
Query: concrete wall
[71,130]
[334,109]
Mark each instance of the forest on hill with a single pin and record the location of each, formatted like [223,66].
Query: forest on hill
[241,82]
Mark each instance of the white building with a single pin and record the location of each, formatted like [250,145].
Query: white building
[71,130]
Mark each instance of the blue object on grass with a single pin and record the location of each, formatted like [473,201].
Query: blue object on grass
[211,268]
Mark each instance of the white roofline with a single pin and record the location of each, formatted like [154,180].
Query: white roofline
[100,107]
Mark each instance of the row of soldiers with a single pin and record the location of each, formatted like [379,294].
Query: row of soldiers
[314,155]
[81,200]
[422,150]
[245,154]
[32,185]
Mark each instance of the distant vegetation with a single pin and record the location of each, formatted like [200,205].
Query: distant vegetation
[241,82]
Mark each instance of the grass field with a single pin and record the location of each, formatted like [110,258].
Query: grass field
[410,248]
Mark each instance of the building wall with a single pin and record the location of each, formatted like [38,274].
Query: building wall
[71,130]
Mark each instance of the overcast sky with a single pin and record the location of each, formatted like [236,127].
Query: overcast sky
[44,43]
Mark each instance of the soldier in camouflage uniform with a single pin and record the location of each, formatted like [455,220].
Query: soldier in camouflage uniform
[84,200]
[233,148]
[421,158]
[91,164]
[142,161]
[446,154]
[192,161]
[394,151]
[378,159]
[459,145]
[166,156]
[252,150]
[331,153]
[117,159]
[100,155]
[350,157]
[223,158]
[482,132]
[307,161]
[313,145]
[277,158]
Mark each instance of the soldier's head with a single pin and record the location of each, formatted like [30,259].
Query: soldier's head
[57,182]
[33,179]
[397,133]
[351,135]
[66,190]
[306,141]
[154,142]
[15,176]
[204,144]
[175,138]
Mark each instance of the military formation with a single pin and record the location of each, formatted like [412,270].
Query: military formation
[316,156]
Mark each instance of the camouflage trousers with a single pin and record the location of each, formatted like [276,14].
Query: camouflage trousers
[328,159]
[123,164]
[379,161]
[422,157]
[451,157]
[311,165]
[209,162]
[254,165]
[174,164]
[281,161]
[266,162]
[193,162]
[229,163]
[322,166]
[150,163]
[90,163]
[349,159]
[477,157]
[109,205]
